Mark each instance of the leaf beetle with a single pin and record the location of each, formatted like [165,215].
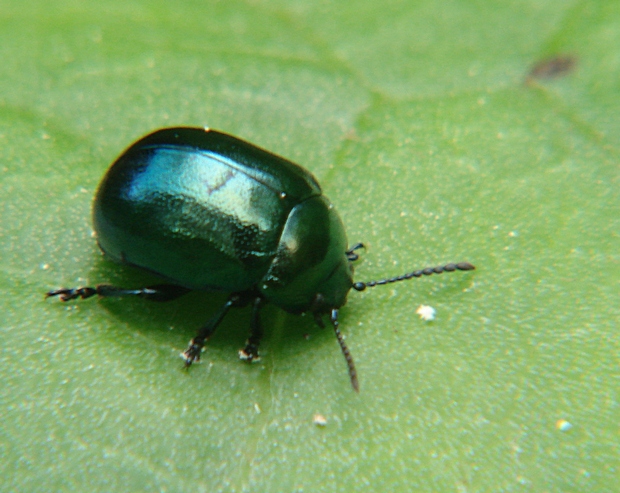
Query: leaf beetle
[207,211]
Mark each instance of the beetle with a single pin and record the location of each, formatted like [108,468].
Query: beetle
[208,211]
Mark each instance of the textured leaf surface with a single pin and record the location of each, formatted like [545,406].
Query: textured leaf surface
[424,129]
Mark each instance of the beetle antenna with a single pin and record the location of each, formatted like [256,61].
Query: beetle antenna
[360,286]
[345,351]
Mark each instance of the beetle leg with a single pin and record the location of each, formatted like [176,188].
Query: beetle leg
[345,351]
[192,353]
[318,309]
[159,292]
[350,253]
[318,318]
[250,351]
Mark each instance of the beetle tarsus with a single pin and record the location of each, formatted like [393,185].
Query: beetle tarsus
[159,292]
[67,294]
[192,353]
[250,351]
[350,253]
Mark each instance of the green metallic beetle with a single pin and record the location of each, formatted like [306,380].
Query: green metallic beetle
[208,211]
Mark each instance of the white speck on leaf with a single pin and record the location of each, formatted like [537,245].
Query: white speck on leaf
[563,425]
[426,312]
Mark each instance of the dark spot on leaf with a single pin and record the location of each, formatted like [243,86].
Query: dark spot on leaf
[553,67]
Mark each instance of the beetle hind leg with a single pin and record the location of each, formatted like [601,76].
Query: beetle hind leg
[250,351]
[158,292]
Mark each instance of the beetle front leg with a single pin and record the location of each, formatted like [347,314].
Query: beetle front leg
[250,351]
[350,253]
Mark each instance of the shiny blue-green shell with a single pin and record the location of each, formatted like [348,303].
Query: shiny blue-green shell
[208,211]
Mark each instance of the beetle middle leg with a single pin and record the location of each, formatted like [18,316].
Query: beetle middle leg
[192,353]
[250,351]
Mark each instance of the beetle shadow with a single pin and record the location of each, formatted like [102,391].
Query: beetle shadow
[167,323]
[173,323]
[451,287]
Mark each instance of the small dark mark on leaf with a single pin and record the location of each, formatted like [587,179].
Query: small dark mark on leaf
[553,67]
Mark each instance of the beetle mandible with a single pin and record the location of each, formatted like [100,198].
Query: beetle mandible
[208,211]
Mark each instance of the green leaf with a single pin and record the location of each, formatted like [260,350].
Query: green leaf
[425,130]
